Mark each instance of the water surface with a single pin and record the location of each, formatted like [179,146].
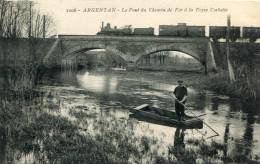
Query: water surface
[98,102]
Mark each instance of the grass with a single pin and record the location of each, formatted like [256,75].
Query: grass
[56,139]
[220,83]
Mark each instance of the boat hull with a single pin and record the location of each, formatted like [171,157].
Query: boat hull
[164,117]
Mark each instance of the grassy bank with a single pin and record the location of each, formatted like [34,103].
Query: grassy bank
[221,84]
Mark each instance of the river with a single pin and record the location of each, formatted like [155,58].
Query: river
[96,104]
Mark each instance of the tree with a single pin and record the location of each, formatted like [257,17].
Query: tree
[20,19]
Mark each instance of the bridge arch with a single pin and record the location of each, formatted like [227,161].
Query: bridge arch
[87,47]
[189,51]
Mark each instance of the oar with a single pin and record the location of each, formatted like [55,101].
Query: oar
[188,108]
[217,134]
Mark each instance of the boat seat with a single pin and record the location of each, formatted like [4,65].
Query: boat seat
[142,107]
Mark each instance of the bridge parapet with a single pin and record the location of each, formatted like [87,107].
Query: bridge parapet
[132,38]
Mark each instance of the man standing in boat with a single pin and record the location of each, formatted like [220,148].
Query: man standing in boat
[180,94]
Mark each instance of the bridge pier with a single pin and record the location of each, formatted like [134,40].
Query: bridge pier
[210,63]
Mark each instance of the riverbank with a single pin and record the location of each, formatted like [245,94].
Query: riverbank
[220,83]
[217,82]
[176,68]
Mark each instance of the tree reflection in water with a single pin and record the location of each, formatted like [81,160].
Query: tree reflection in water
[2,145]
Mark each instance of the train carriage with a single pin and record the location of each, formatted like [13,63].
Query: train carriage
[196,31]
[252,33]
[168,30]
[179,30]
[144,31]
[234,33]
[182,30]
[217,32]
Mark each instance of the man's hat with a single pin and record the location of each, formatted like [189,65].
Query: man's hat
[180,81]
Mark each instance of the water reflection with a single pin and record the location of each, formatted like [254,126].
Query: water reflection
[98,83]
[179,141]
[215,105]
[226,137]
[249,131]
[2,145]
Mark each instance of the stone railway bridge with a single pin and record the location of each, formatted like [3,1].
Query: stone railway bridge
[51,51]
[131,49]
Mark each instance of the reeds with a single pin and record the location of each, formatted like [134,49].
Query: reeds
[221,84]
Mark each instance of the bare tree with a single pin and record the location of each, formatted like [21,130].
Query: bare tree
[41,24]
[3,8]
[21,19]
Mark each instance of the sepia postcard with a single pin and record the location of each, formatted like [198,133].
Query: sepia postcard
[129,82]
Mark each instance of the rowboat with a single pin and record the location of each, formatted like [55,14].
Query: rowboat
[164,117]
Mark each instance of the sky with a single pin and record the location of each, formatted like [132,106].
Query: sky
[141,13]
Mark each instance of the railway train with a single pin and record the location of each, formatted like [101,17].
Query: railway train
[183,30]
